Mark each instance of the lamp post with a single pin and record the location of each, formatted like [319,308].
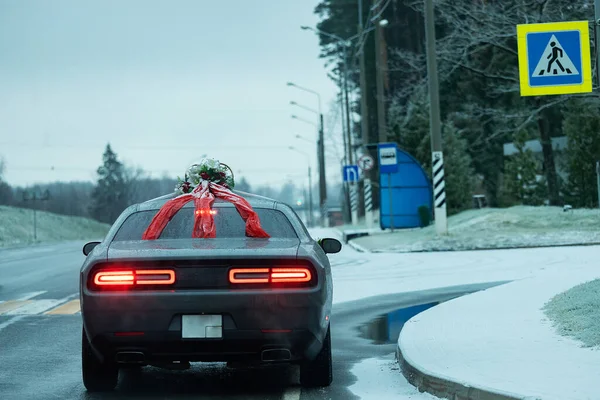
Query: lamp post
[320,154]
[310,196]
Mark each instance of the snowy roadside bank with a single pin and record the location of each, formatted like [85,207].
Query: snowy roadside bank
[515,227]
[498,343]
[16,228]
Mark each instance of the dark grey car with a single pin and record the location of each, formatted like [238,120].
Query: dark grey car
[176,300]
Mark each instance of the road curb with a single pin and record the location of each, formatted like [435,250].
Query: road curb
[480,249]
[445,388]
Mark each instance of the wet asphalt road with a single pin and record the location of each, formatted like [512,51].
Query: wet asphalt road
[40,342]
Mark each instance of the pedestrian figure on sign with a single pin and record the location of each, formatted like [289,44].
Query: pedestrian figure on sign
[554,57]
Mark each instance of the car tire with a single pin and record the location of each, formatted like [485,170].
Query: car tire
[97,376]
[318,372]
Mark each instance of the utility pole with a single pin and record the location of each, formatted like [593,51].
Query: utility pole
[33,196]
[364,111]
[322,184]
[345,136]
[349,152]
[439,188]
[310,198]
[381,70]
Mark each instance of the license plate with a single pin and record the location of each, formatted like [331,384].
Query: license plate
[201,326]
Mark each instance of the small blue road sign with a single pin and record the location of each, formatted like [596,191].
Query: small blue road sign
[388,158]
[350,173]
[554,58]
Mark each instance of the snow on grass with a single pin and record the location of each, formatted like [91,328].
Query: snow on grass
[16,227]
[576,313]
[491,228]
[380,378]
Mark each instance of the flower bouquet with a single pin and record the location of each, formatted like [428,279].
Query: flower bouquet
[202,183]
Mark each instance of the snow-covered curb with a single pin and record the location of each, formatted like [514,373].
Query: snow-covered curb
[498,344]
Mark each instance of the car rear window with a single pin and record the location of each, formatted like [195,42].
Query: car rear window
[228,222]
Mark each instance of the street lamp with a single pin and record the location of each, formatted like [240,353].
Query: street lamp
[304,107]
[310,196]
[321,162]
[292,84]
[300,137]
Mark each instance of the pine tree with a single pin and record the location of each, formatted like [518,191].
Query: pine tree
[521,183]
[582,128]
[109,197]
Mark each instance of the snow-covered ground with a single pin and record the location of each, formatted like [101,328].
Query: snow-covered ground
[500,340]
[359,275]
[380,378]
[16,227]
[490,228]
[576,313]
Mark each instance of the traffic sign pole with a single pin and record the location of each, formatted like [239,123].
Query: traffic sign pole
[597,37]
[391,197]
[368,203]
[441,222]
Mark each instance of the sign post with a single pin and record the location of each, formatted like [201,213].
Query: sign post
[598,180]
[388,164]
[350,175]
[366,163]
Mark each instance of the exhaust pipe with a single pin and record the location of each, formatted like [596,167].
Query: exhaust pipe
[130,357]
[276,355]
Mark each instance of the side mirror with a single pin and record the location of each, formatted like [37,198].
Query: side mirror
[87,249]
[330,246]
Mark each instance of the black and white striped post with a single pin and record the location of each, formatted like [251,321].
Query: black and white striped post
[354,202]
[439,192]
[368,203]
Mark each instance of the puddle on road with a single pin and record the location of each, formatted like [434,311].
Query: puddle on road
[386,328]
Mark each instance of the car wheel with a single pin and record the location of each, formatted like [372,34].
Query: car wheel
[318,372]
[97,376]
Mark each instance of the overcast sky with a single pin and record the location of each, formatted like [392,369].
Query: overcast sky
[163,81]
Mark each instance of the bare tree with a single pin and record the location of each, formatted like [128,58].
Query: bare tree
[478,44]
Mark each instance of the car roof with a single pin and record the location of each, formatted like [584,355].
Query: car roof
[255,201]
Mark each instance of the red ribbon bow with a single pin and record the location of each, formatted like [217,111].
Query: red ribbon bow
[204,225]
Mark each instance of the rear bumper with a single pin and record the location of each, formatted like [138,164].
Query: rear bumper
[245,346]
[251,320]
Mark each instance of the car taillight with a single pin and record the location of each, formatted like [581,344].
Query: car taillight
[133,277]
[275,275]
[289,275]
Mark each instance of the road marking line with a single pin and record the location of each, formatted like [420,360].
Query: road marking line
[31,295]
[11,305]
[35,307]
[71,307]
[292,393]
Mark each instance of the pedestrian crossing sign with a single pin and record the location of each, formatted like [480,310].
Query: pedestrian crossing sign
[554,58]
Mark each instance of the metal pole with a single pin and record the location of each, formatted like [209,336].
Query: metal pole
[598,180]
[34,224]
[379,49]
[346,145]
[310,197]
[441,222]
[322,184]
[364,111]
[391,202]
[348,125]
[597,36]
[368,203]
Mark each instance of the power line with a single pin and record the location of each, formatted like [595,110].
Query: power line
[135,147]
